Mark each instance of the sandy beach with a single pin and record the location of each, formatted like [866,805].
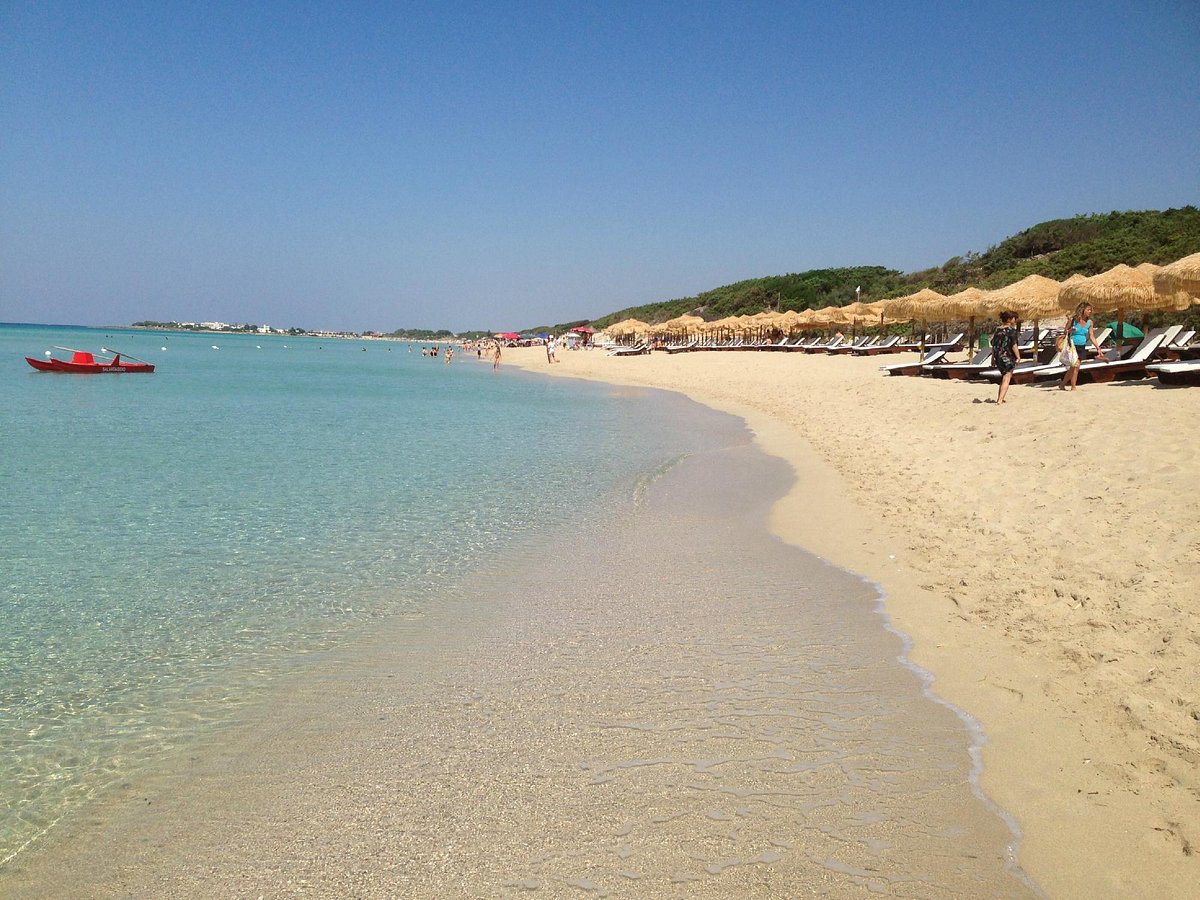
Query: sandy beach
[659,700]
[1043,557]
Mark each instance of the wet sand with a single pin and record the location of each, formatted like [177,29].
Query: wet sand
[1044,557]
[694,708]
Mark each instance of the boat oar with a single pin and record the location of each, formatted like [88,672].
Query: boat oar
[124,355]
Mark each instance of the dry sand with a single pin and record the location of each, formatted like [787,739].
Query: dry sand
[1045,559]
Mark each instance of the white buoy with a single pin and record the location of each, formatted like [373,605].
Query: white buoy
[48,353]
[162,348]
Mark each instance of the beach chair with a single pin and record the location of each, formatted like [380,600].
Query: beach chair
[847,349]
[804,344]
[888,346]
[785,344]
[1132,367]
[973,368]
[914,368]
[1173,350]
[953,344]
[682,348]
[828,345]
[635,350]
[1180,372]
[913,345]
[1107,369]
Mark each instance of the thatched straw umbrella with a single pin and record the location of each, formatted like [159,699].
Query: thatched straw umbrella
[916,307]
[789,321]
[763,322]
[967,305]
[879,308]
[680,325]
[852,313]
[1033,298]
[627,327]
[1121,288]
[723,328]
[810,318]
[1181,276]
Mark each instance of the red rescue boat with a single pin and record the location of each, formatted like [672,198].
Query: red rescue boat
[84,363]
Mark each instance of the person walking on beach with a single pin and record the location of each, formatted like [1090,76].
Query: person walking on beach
[495,356]
[552,350]
[1077,333]
[1005,352]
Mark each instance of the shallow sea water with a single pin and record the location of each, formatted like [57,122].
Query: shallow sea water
[605,677]
[171,542]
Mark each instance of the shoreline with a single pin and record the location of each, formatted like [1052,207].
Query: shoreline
[739,729]
[1083,747]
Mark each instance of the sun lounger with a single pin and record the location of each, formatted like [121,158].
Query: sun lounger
[1108,369]
[953,344]
[974,368]
[850,348]
[888,346]
[913,345]
[1176,373]
[827,345]
[770,345]
[1180,347]
[785,344]
[914,368]
[1133,367]
[635,350]
[804,344]
[682,348]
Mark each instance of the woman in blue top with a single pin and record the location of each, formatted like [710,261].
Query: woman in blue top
[1079,333]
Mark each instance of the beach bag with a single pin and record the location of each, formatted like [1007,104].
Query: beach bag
[1069,356]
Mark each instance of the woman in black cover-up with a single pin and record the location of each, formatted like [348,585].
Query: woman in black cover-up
[1005,352]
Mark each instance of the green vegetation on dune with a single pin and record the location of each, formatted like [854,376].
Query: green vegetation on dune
[1087,244]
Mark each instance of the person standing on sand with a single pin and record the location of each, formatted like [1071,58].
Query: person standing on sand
[1078,331]
[1005,352]
[496,356]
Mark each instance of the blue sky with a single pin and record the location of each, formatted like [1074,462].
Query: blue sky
[500,165]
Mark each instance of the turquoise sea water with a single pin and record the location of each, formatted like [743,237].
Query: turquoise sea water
[171,542]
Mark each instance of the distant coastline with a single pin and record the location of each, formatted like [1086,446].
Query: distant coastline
[400,334]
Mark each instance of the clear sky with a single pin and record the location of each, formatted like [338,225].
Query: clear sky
[500,165]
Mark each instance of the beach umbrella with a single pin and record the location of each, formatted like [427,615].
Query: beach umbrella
[764,322]
[789,321]
[852,312]
[1125,330]
[916,307]
[879,308]
[627,327]
[966,305]
[1122,288]
[1181,276]
[1033,298]
[684,324]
